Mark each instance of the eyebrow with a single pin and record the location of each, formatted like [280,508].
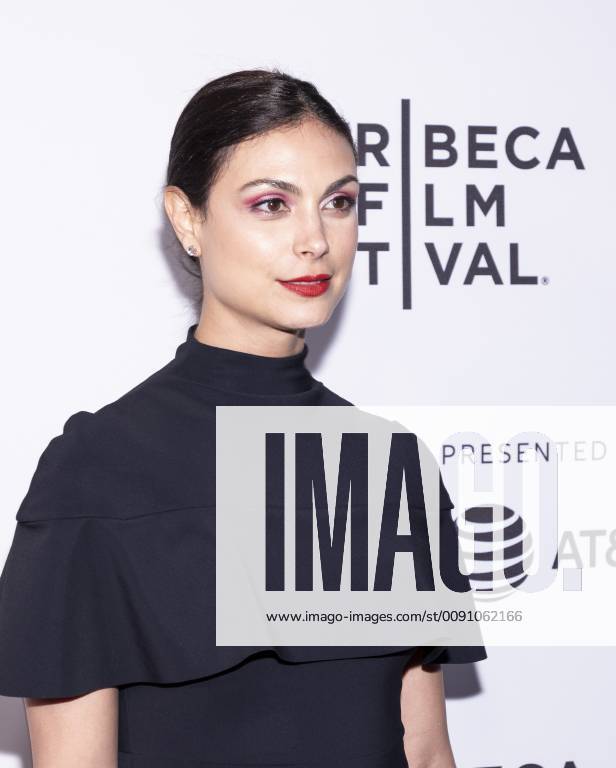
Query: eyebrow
[287,186]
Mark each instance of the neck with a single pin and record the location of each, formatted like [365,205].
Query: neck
[242,336]
[241,371]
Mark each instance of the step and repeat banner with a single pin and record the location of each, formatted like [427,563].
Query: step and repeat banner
[483,283]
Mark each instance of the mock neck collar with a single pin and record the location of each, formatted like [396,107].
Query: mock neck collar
[243,372]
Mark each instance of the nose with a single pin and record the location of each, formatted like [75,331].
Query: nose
[310,239]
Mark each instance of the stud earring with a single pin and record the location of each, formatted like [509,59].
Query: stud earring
[191,251]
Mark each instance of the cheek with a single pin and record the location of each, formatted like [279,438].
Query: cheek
[343,244]
[249,244]
[237,263]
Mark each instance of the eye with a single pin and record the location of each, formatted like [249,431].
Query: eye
[350,202]
[268,201]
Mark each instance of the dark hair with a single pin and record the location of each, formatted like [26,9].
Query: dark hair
[231,109]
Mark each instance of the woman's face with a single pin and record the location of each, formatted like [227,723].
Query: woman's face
[257,233]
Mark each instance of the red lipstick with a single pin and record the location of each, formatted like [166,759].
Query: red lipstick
[308,285]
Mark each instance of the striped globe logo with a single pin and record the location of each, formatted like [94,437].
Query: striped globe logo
[496,548]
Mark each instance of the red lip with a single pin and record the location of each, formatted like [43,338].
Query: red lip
[307,278]
[315,285]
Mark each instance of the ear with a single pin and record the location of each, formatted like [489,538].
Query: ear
[182,216]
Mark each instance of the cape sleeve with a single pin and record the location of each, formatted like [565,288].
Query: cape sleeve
[93,595]
[103,589]
[451,654]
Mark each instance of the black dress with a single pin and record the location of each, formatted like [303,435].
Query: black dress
[109,583]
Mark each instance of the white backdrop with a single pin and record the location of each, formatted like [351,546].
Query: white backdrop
[92,301]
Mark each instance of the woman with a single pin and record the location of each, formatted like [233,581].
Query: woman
[106,601]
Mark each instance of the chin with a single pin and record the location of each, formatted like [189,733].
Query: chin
[299,320]
[312,316]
